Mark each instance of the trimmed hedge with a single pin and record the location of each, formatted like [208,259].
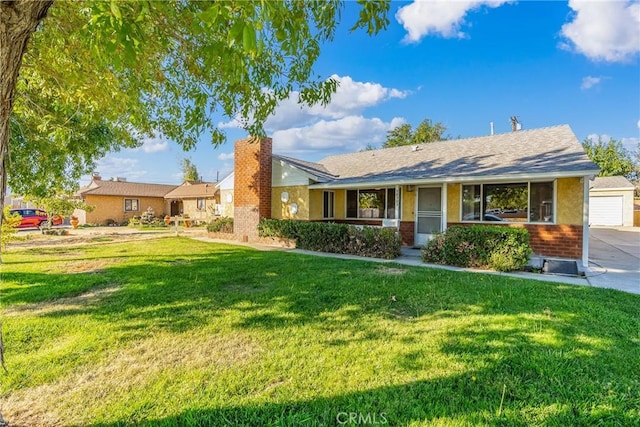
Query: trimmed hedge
[221,225]
[336,238]
[480,246]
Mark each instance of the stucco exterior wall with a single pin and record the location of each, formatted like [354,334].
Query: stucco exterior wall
[453,202]
[190,207]
[316,203]
[112,208]
[340,204]
[298,194]
[570,199]
[226,200]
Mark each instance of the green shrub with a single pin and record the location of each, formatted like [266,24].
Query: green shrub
[480,246]
[10,223]
[221,225]
[336,238]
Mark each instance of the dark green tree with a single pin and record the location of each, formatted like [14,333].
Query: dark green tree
[426,131]
[612,158]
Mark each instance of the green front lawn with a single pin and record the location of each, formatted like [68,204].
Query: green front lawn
[173,331]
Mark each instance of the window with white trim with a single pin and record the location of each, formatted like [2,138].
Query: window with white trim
[201,204]
[374,203]
[328,199]
[131,205]
[515,202]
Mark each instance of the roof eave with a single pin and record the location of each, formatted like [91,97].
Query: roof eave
[457,179]
[613,189]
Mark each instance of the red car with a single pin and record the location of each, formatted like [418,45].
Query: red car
[35,217]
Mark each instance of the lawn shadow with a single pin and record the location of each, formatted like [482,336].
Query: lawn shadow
[558,360]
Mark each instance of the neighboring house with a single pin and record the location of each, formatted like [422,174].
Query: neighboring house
[537,179]
[196,199]
[16,202]
[225,191]
[611,201]
[117,201]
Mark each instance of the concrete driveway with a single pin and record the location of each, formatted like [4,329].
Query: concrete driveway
[614,258]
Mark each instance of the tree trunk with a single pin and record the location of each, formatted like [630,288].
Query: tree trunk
[18,20]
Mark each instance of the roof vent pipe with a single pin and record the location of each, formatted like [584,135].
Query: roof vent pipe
[491,126]
[515,124]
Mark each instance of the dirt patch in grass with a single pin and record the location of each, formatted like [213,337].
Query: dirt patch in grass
[83,266]
[133,370]
[90,236]
[78,302]
[390,271]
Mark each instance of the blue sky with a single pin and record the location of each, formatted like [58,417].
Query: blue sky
[463,63]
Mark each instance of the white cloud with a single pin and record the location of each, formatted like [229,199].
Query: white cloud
[351,98]
[638,124]
[589,82]
[350,133]
[155,144]
[112,167]
[604,30]
[338,126]
[441,17]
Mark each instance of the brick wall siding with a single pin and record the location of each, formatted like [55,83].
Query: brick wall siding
[559,241]
[252,185]
[407,232]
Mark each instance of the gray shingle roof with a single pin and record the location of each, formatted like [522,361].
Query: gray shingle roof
[123,188]
[192,190]
[311,168]
[529,152]
[610,182]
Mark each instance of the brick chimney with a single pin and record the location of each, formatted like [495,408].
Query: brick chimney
[252,185]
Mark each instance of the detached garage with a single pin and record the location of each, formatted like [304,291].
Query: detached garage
[611,201]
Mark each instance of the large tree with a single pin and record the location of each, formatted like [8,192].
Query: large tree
[426,131]
[79,79]
[612,157]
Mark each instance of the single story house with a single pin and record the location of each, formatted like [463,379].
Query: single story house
[198,200]
[537,179]
[117,201]
[611,201]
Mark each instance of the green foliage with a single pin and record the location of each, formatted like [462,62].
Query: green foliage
[335,238]
[98,76]
[149,333]
[10,223]
[498,248]
[221,225]
[612,158]
[425,132]
[507,196]
[189,170]
[59,204]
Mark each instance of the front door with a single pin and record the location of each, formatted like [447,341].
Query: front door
[428,214]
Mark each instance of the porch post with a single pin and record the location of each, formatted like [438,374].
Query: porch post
[397,207]
[585,222]
[443,208]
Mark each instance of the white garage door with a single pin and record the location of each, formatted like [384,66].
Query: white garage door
[605,210]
